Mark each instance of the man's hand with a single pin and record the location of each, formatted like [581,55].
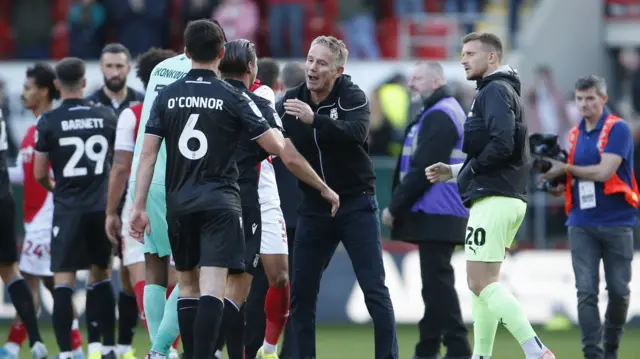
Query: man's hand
[557,169]
[113,226]
[299,109]
[139,225]
[439,172]
[387,218]
[330,196]
[557,191]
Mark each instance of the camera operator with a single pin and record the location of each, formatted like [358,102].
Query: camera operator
[601,200]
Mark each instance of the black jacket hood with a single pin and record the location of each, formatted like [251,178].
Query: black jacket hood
[505,73]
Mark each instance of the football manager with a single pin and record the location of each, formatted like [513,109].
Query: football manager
[327,119]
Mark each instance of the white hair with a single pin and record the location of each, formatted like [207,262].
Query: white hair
[337,48]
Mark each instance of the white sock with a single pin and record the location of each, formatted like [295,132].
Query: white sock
[94,348]
[269,348]
[106,349]
[533,348]
[65,355]
[218,354]
[12,348]
[122,349]
[75,325]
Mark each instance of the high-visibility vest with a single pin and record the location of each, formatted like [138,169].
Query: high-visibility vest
[614,184]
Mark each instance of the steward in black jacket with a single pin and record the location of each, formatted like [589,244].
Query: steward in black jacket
[495,141]
[335,144]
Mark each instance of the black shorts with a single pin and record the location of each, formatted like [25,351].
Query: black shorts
[79,241]
[252,237]
[8,243]
[211,238]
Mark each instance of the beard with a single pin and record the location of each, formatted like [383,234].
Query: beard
[115,85]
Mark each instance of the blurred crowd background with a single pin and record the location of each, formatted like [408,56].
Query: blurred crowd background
[378,33]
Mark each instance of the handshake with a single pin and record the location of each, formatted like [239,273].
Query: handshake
[545,146]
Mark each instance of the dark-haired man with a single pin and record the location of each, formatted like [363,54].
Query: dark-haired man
[493,184]
[38,94]
[132,251]
[76,139]
[115,66]
[18,288]
[203,200]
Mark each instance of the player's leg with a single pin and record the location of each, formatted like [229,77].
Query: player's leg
[21,296]
[169,329]
[127,313]
[493,223]
[100,256]
[314,246]
[221,249]
[172,302]
[238,286]
[285,350]
[156,249]
[69,253]
[185,246]
[255,320]
[274,253]
[131,300]
[76,336]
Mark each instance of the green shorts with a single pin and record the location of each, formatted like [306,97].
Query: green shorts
[492,226]
[158,241]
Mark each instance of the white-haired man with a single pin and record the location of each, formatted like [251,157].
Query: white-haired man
[327,118]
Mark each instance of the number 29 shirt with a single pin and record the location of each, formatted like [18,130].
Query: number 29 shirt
[77,137]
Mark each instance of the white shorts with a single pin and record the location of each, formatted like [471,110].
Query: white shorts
[132,250]
[36,253]
[274,232]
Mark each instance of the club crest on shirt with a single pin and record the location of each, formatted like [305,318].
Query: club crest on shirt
[333,114]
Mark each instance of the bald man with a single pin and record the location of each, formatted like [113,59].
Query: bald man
[432,216]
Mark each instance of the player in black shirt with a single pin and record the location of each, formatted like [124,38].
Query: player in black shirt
[76,139]
[239,67]
[201,118]
[17,287]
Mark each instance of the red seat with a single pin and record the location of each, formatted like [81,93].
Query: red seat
[388,37]
[60,32]
[6,40]
[434,34]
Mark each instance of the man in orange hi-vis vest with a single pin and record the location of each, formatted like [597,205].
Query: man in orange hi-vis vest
[601,201]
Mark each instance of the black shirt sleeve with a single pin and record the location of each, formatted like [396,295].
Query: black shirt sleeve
[354,128]
[500,121]
[436,140]
[155,125]
[250,116]
[44,142]
[110,124]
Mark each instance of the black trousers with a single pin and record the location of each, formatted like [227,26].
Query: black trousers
[256,320]
[357,227]
[442,320]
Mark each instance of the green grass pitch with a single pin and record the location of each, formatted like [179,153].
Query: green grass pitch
[356,342]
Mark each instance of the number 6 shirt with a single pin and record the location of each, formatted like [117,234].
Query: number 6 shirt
[201,118]
[77,137]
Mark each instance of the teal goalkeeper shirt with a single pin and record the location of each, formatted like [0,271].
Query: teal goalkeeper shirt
[165,73]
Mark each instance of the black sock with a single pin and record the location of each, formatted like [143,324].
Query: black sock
[234,330]
[227,317]
[206,327]
[23,302]
[128,318]
[92,316]
[187,311]
[107,309]
[63,317]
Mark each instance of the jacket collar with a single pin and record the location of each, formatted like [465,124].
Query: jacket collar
[437,95]
[305,95]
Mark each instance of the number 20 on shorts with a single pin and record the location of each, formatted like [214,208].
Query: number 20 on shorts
[475,236]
